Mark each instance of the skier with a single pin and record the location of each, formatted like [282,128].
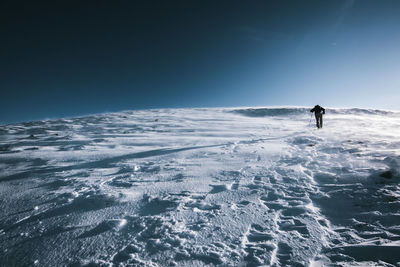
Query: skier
[318,110]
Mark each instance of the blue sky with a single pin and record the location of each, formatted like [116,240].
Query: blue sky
[70,58]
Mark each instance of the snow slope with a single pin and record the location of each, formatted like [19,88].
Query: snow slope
[198,187]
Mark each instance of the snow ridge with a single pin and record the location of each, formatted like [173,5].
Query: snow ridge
[272,112]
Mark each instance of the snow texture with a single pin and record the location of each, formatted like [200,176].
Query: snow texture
[202,187]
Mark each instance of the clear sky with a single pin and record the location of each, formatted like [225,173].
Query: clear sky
[69,58]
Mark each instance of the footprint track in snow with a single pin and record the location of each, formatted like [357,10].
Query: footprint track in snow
[288,225]
[258,246]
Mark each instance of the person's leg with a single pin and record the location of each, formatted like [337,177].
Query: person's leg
[320,122]
[317,119]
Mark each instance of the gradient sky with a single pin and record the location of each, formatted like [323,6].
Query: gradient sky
[69,58]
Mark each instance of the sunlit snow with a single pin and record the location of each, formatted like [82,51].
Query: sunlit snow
[198,187]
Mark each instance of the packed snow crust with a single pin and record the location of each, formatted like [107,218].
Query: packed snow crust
[202,187]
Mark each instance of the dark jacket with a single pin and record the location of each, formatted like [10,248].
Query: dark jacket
[318,109]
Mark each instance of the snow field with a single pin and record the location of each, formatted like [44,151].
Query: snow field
[198,187]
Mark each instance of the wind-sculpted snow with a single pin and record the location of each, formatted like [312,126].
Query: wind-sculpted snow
[202,187]
[270,112]
[273,112]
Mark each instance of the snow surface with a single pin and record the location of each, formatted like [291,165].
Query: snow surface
[198,187]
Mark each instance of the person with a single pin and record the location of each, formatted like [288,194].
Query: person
[318,111]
